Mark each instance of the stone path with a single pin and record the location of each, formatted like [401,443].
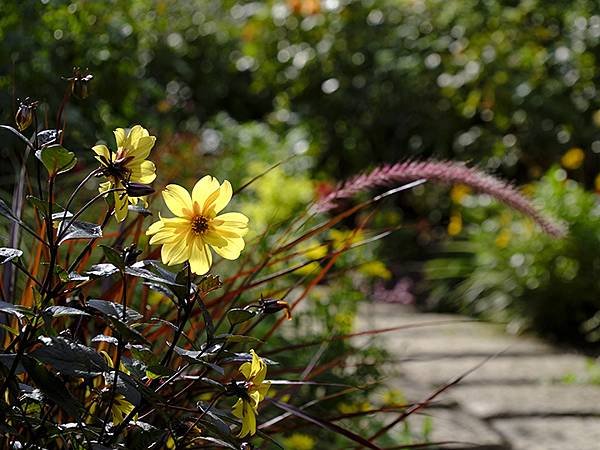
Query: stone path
[531,396]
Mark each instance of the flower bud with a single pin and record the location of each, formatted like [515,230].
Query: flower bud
[81,88]
[80,83]
[138,189]
[272,306]
[24,115]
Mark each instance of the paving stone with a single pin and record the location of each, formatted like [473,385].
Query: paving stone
[551,433]
[443,344]
[502,369]
[488,401]
[453,425]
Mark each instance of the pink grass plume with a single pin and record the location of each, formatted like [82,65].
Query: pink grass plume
[446,172]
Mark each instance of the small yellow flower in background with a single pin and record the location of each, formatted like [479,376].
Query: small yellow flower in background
[127,164]
[459,192]
[375,269]
[573,158]
[256,389]
[299,441]
[197,227]
[597,183]
[455,225]
[503,238]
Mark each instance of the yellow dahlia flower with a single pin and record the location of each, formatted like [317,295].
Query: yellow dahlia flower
[256,389]
[127,165]
[197,227]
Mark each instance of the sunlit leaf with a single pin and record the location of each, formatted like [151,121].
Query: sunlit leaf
[78,230]
[115,310]
[56,159]
[58,311]
[70,358]
[8,254]
[238,315]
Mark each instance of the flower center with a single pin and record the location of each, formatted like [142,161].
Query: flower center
[199,224]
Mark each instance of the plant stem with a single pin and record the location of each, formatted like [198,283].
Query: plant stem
[120,347]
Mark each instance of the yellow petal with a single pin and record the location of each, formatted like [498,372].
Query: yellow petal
[232,250]
[144,173]
[178,200]
[214,239]
[250,419]
[121,203]
[246,370]
[200,257]
[102,150]
[120,137]
[231,219]
[155,227]
[256,363]
[103,187]
[238,409]
[175,252]
[203,189]
[141,149]
[225,193]
[136,132]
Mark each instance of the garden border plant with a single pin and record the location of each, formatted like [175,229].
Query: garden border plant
[186,375]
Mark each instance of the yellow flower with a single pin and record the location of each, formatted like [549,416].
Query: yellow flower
[299,441]
[256,389]
[120,409]
[459,192]
[127,165]
[455,224]
[197,227]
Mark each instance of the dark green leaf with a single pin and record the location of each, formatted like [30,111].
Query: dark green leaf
[140,210]
[70,358]
[56,159]
[7,359]
[114,310]
[58,311]
[31,393]
[8,254]
[113,256]
[52,386]
[144,436]
[125,386]
[240,338]
[246,357]
[126,332]
[104,338]
[238,315]
[61,215]
[102,270]
[17,310]
[196,356]
[137,270]
[79,230]
[47,137]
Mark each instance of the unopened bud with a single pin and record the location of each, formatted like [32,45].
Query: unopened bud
[272,306]
[24,115]
[138,189]
[80,83]
[130,254]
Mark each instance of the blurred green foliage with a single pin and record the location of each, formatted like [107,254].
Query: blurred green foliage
[235,86]
[500,267]
[512,84]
